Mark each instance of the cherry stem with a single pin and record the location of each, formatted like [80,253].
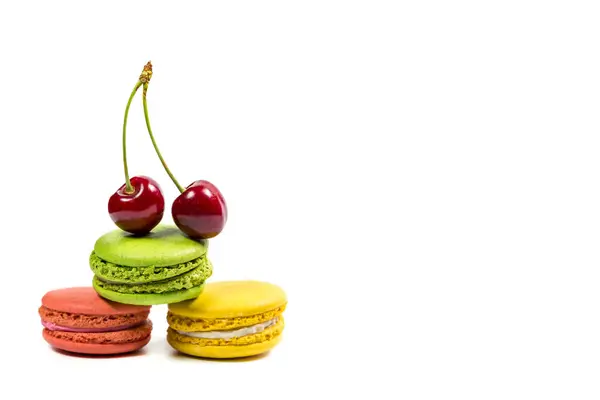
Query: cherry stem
[164,164]
[128,188]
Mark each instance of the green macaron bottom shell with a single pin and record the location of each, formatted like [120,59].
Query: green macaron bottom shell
[149,299]
[113,273]
[188,280]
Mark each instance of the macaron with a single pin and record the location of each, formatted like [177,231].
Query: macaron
[230,319]
[78,320]
[162,267]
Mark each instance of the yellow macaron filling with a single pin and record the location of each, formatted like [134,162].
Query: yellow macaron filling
[268,333]
[186,324]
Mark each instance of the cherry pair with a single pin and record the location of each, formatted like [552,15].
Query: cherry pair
[138,206]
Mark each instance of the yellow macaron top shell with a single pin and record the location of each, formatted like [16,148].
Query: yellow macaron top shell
[232,299]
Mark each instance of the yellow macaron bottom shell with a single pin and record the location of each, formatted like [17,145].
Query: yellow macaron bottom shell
[186,324]
[243,346]
[223,351]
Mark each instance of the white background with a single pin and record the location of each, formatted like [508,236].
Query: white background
[420,177]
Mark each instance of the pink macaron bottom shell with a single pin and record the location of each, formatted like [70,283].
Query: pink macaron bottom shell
[95,348]
[54,327]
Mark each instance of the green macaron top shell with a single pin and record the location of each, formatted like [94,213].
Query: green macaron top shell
[165,246]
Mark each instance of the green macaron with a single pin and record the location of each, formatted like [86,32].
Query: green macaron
[162,267]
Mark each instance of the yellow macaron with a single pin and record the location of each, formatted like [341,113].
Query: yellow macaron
[228,320]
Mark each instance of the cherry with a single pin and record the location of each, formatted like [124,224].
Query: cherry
[138,205]
[200,210]
[140,211]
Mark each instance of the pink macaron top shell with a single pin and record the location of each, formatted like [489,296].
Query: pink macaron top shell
[53,327]
[85,300]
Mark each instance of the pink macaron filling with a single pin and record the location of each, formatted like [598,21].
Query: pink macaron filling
[53,327]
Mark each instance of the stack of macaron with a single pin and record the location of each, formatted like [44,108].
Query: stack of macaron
[131,273]
[145,263]
[228,319]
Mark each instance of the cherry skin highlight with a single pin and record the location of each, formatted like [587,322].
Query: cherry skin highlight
[200,210]
[140,211]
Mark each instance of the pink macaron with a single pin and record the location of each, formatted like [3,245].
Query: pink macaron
[79,320]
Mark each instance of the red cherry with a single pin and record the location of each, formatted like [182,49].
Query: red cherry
[138,206]
[200,211]
[140,211]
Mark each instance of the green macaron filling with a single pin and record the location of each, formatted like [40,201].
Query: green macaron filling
[113,273]
[187,280]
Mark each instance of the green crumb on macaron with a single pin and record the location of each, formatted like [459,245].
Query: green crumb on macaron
[112,273]
[187,280]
